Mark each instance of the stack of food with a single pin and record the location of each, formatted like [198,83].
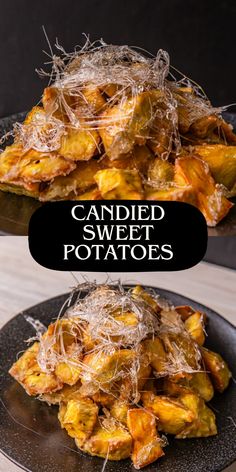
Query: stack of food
[126,368]
[114,124]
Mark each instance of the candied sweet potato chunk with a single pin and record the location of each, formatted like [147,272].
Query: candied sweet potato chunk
[79,144]
[209,198]
[171,193]
[173,415]
[68,372]
[31,166]
[221,160]
[67,393]
[63,335]
[158,357]
[184,311]
[119,410]
[130,388]
[78,417]
[195,326]
[105,368]
[77,182]
[179,342]
[140,293]
[204,425]
[146,441]
[126,123]
[20,187]
[92,194]
[200,382]
[28,373]
[110,441]
[140,158]
[119,184]
[218,369]
[103,398]
[160,172]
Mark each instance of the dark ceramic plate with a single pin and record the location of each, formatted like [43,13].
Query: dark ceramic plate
[30,435]
[15,211]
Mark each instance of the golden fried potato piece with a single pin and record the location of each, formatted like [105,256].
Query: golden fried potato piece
[31,166]
[9,163]
[126,123]
[103,398]
[175,389]
[195,326]
[209,198]
[65,107]
[64,395]
[63,335]
[184,311]
[211,129]
[173,415]
[146,441]
[78,417]
[127,318]
[158,357]
[28,373]
[139,293]
[162,132]
[32,115]
[140,158]
[204,425]
[93,100]
[203,127]
[104,368]
[57,104]
[88,342]
[129,389]
[174,343]
[22,188]
[109,441]
[218,369]
[119,184]
[77,182]
[35,166]
[79,144]
[221,160]
[199,383]
[68,372]
[160,171]
[119,410]
[25,362]
[172,193]
[92,194]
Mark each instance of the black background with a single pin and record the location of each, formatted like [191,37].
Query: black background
[199,35]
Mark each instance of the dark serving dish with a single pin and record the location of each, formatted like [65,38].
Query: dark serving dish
[15,210]
[30,435]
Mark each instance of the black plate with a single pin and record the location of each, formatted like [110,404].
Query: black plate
[30,433]
[15,211]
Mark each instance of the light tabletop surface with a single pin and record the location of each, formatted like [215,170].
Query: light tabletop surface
[24,283]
